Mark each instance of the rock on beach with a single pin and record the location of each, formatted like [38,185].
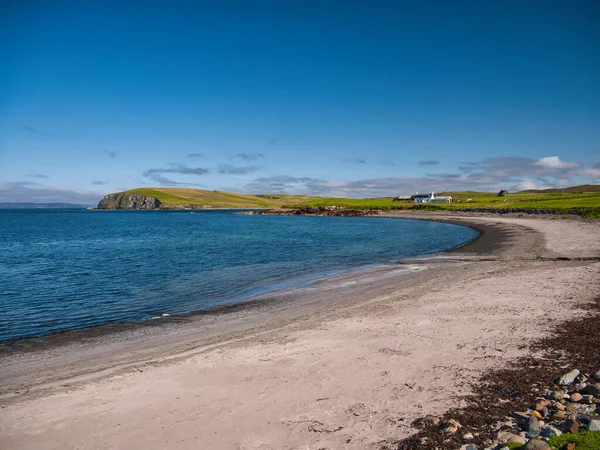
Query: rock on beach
[568,378]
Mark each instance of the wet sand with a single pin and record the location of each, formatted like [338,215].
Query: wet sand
[347,362]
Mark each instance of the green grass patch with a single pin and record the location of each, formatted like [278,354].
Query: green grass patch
[513,445]
[586,205]
[585,440]
[218,199]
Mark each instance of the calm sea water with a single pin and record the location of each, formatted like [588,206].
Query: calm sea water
[62,270]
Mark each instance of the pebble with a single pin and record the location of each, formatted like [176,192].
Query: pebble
[557,395]
[591,390]
[532,434]
[536,444]
[533,424]
[597,375]
[571,407]
[587,399]
[575,397]
[451,426]
[568,378]
[467,437]
[549,431]
[559,415]
[471,447]
[583,417]
[519,439]
[594,425]
[542,404]
[572,426]
[536,414]
[506,436]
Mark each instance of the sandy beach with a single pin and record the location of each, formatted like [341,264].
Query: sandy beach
[346,362]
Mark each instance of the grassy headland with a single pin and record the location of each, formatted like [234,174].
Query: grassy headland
[218,199]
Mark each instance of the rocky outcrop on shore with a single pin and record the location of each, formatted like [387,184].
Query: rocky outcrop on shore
[315,211]
[129,200]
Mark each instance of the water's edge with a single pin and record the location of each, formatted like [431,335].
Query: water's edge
[252,300]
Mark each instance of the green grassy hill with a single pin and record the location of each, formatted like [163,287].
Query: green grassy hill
[218,199]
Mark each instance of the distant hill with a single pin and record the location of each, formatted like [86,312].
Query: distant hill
[29,205]
[182,198]
[582,189]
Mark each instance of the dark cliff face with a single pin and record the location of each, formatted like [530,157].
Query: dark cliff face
[131,200]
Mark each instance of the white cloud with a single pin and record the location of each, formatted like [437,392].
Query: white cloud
[554,162]
[26,191]
[527,185]
[591,173]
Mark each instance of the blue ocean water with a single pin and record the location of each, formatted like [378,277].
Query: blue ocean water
[68,269]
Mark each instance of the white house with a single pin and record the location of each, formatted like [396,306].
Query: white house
[422,198]
[430,198]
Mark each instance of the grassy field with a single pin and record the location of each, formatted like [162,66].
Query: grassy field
[582,200]
[218,199]
[586,204]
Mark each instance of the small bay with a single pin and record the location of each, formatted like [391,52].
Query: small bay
[68,269]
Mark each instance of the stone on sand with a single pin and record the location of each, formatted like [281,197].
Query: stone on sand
[568,378]
[536,444]
[594,425]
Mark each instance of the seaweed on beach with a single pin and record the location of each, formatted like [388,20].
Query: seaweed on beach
[573,344]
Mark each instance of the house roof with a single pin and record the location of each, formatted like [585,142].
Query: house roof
[420,196]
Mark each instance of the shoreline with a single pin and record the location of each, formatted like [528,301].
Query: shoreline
[285,302]
[311,327]
[27,344]
[487,244]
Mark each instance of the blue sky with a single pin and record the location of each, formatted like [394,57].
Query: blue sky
[335,98]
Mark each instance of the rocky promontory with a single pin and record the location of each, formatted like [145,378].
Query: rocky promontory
[137,201]
[129,200]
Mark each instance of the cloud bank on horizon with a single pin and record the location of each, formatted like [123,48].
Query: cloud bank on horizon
[490,175]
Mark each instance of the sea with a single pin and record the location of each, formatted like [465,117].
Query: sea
[70,269]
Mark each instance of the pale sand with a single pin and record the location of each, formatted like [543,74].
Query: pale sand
[346,363]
